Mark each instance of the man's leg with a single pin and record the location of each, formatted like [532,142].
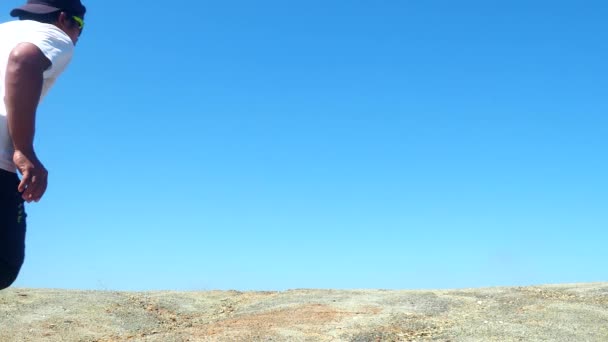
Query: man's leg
[8,274]
[12,229]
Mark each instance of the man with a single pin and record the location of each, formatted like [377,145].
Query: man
[34,51]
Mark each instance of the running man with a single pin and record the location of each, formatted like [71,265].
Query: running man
[34,51]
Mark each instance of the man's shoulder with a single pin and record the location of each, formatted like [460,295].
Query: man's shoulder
[18,27]
[54,44]
[9,25]
[40,34]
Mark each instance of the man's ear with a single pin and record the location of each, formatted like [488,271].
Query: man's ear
[63,18]
[65,21]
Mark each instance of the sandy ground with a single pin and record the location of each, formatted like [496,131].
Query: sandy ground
[577,312]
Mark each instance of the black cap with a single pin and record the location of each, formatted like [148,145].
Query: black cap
[74,7]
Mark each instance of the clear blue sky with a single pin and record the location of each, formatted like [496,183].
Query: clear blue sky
[326,144]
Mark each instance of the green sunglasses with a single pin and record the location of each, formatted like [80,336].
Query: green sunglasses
[79,21]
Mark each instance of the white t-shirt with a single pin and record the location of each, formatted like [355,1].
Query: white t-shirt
[54,44]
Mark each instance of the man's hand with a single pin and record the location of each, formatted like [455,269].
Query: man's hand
[34,176]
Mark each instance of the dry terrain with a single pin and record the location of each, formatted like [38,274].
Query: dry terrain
[577,312]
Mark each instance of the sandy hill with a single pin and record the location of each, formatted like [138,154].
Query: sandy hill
[577,312]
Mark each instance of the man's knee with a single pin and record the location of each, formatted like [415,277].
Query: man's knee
[8,275]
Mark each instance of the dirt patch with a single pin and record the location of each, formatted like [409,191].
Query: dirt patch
[306,318]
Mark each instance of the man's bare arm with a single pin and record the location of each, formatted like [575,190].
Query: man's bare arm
[24,80]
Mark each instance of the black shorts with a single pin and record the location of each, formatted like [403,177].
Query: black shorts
[12,228]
